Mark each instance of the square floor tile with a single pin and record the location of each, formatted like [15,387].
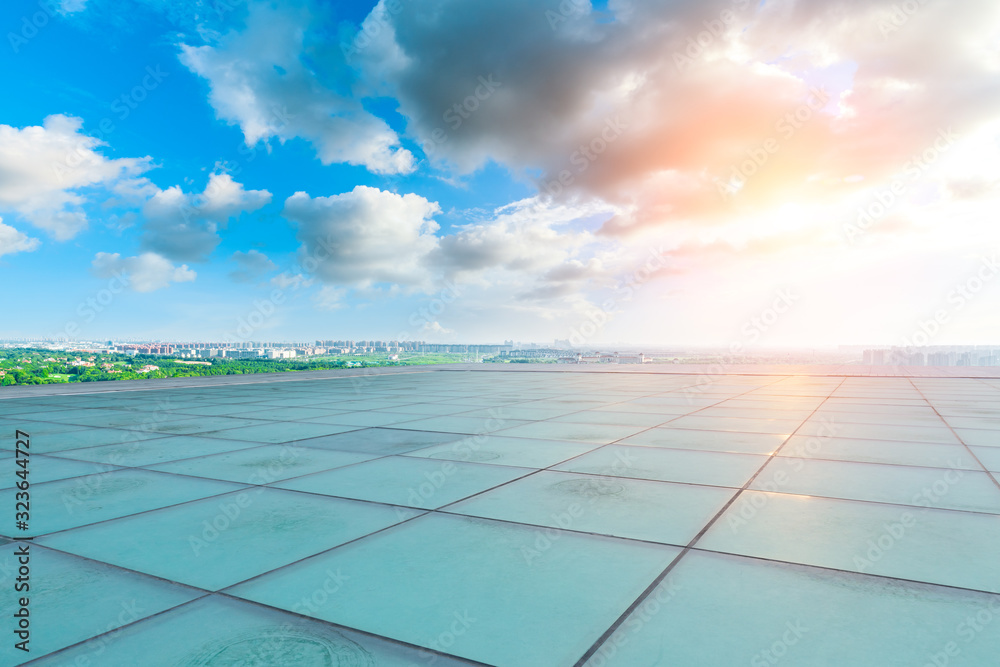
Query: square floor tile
[462,425]
[974,423]
[778,614]
[46,469]
[929,545]
[288,413]
[381,441]
[79,501]
[990,457]
[72,599]
[363,418]
[940,434]
[196,634]
[500,581]
[131,420]
[778,426]
[278,432]
[90,437]
[880,451]
[598,434]
[237,410]
[161,450]
[263,465]
[427,409]
[979,437]
[499,450]
[613,418]
[187,426]
[668,465]
[905,485]
[718,441]
[614,506]
[414,482]
[220,541]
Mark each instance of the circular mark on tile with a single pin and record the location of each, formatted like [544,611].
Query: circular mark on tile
[592,488]
[481,456]
[282,647]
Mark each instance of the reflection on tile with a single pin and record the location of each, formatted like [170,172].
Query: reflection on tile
[72,600]
[668,465]
[880,451]
[413,482]
[779,426]
[928,545]
[779,614]
[554,594]
[940,434]
[614,506]
[718,441]
[906,485]
[219,541]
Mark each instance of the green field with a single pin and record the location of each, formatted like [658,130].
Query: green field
[24,366]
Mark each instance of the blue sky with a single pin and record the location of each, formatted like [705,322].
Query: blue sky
[151,152]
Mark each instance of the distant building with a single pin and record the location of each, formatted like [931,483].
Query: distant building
[605,358]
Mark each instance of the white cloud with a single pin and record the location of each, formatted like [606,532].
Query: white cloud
[295,281]
[606,103]
[330,297]
[364,237]
[147,272]
[11,240]
[185,227]
[224,198]
[435,328]
[253,266]
[260,81]
[45,172]
[71,6]
[525,236]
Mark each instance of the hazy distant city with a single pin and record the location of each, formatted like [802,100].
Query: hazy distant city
[510,351]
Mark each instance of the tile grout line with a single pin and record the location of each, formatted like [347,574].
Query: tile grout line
[599,643]
[992,478]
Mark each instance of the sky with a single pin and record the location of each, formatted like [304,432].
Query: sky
[783,173]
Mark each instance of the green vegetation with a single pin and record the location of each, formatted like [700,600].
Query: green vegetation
[21,366]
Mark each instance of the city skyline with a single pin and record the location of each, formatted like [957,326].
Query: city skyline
[718,174]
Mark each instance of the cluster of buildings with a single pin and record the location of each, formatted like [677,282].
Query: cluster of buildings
[564,356]
[605,358]
[953,355]
[270,350]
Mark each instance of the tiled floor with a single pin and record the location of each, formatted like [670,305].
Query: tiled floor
[498,516]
